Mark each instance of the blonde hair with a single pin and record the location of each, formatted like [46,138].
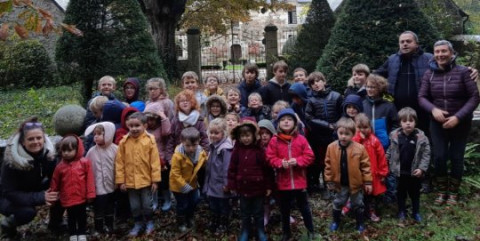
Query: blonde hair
[218,123]
[234,89]
[97,103]
[380,82]
[407,113]
[255,94]
[362,120]
[161,83]
[280,104]
[358,68]
[189,75]
[346,123]
[107,78]
[212,76]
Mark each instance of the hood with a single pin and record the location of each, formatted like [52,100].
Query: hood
[139,105]
[17,157]
[246,121]
[354,100]
[109,131]
[80,148]
[180,149]
[220,99]
[136,83]
[255,85]
[226,143]
[267,124]
[126,112]
[299,90]
[154,108]
[112,111]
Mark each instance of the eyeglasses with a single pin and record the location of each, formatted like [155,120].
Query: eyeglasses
[32,125]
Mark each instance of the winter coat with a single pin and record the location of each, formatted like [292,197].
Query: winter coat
[167,105]
[216,171]
[123,130]
[25,177]
[383,116]
[103,160]
[249,174]
[352,90]
[219,92]
[378,162]
[323,108]
[246,90]
[273,92]
[223,107]
[451,90]
[202,103]
[359,173]
[391,67]
[184,171]
[294,177]
[137,163]
[299,89]
[259,114]
[89,117]
[136,84]
[162,132]
[112,112]
[421,159]
[354,100]
[74,180]
[177,128]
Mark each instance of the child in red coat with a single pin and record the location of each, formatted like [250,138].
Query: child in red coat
[73,179]
[378,163]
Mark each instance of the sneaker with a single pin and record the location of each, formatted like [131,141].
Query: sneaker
[346,208]
[401,216]
[417,217]
[441,198]
[452,200]
[292,220]
[82,237]
[73,238]
[334,226]
[166,205]
[361,228]
[149,228]
[135,230]
[373,216]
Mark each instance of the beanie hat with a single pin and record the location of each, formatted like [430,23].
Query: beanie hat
[267,124]
[354,100]
[139,105]
[287,111]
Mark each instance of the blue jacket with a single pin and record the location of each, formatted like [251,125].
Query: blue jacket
[246,90]
[112,111]
[90,118]
[420,61]
[216,171]
[354,100]
[299,90]
[383,116]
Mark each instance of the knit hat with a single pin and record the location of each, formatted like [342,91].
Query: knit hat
[267,124]
[246,121]
[154,108]
[287,111]
[139,105]
[354,100]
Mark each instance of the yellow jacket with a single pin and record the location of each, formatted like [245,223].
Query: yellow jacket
[137,164]
[183,171]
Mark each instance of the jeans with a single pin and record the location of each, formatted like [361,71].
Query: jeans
[391,193]
[252,207]
[409,185]
[141,203]
[301,197]
[449,144]
[77,219]
[219,206]
[104,205]
[24,214]
[186,203]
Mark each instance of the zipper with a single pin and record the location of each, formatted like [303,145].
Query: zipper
[291,169]
[444,94]
[373,117]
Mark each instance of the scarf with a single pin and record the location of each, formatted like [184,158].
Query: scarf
[190,119]
[285,137]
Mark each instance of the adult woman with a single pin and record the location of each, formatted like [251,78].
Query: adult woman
[26,171]
[451,96]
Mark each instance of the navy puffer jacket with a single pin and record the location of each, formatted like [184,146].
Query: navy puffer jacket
[383,117]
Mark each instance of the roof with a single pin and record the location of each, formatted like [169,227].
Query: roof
[61,3]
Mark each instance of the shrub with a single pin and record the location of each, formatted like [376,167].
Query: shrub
[25,64]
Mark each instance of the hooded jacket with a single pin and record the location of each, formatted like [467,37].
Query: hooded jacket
[123,130]
[246,90]
[223,107]
[24,178]
[273,92]
[136,84]
[103,159]
[299,89]
[89,117]
[383,116]
[162,132]
[217,169]
[167,105]
[354,100]
[74,180]
[183,173]
[112,112]
[259,114]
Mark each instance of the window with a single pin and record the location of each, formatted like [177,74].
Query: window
[292,17]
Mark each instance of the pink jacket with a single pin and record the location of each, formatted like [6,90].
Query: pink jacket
[295,177]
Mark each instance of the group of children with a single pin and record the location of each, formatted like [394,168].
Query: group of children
[252,143]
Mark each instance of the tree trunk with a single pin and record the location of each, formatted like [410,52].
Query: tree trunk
[163,17]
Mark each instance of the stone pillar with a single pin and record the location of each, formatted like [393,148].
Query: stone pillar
[194,51]
[271,48]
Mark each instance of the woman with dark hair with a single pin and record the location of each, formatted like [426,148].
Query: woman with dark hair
[450,95]
[26,171]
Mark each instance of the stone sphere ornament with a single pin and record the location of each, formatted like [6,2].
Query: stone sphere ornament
[69,120]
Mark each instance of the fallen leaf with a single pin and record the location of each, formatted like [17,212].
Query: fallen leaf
[48,27]
[21,31]
[45,13]
[4,32]
[72,29]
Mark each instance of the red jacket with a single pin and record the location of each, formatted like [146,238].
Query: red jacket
[378,162]
[74,180]
[293,177]
[123,130]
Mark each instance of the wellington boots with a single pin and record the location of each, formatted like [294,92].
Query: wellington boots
[98,222]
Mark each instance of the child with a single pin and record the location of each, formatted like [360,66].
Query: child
[378,163]
[233,101]
[347,172]
[409,157]
[102,156]
[137,171]
[276,108]
[267,130]
[96,107]
[157,92]
[323,110]
[356,84]
[249,84]
[123,130]
[216,108]
[256,108]
[232,120]
[187,160]
[277,88]
[215,175]
[290,154]
[299,95]
[131,89]
[106,87]
[211,86]
[300,76]
[159,126]
[352,106]
[250,176]
[190,82]
[73,179]
[187,115]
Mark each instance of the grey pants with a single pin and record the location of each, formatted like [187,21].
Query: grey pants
[141,203]
[341,198]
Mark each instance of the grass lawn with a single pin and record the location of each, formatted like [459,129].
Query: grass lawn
[237,67]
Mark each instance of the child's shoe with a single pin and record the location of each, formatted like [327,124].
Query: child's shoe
[417,217]
[401,216]
[167,200]
[73,238]
[452,200]
[182,226]
[149,228]
[82,237]
[361,228]
[336,220]
[334,226]
[135,230]
[346,208]
[441,198]
[373,216]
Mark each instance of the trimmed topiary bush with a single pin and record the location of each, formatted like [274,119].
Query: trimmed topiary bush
[69,120]
[367,32]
